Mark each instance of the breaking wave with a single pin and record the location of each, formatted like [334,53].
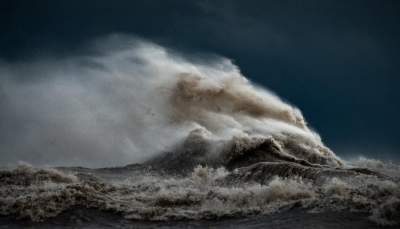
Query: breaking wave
[202,142]
[128,100]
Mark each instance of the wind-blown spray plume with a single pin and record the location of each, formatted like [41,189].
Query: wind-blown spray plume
[132,100]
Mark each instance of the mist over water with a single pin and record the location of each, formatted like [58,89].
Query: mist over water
[129,100]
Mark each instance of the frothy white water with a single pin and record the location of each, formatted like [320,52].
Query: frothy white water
[130,100]
[205,193]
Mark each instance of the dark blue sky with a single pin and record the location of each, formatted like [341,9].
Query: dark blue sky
[338,61]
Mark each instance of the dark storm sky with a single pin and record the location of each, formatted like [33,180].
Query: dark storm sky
[338,61]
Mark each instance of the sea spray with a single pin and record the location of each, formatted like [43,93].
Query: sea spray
[127,100]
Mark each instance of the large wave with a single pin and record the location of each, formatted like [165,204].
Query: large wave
[127,100]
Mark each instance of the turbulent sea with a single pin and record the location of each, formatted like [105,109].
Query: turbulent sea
[263,194]
[138,136]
